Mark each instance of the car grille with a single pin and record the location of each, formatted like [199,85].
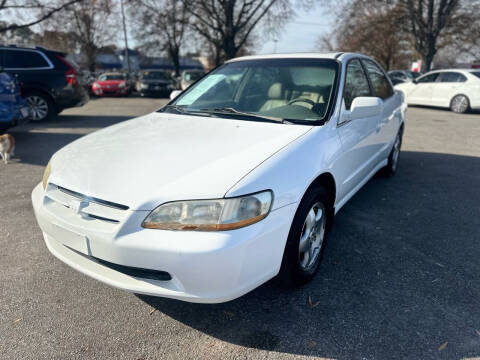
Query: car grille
[62,201]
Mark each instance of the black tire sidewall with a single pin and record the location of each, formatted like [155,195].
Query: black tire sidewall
[291,273]
[389,170]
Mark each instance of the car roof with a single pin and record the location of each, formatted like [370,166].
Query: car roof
[456,70]
[340,56]
[309,55]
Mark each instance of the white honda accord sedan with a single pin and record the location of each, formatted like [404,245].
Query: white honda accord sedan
[233,182]
[457,89]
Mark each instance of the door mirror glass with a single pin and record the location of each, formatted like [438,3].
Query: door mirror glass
[174,94]
[364,106]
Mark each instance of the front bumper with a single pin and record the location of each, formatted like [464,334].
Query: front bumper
[205,267]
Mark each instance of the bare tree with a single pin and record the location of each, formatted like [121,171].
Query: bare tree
[427,21]
[38,11]
[377,31]
[228,24]
[89,25]
[162,24]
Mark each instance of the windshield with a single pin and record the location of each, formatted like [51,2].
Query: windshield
[291,89]
[105,77]
[157,75]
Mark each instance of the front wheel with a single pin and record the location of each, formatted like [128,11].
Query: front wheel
[460,104]
[306,239]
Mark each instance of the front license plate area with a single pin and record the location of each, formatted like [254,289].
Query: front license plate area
[69,238]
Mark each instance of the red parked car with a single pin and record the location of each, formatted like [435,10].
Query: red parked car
[111,84]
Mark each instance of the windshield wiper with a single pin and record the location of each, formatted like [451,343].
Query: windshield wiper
[230,110]
[181,110]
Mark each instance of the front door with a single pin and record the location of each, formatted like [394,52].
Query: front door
[421,93]
[359,137]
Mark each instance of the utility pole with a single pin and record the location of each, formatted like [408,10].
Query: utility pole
[127,57]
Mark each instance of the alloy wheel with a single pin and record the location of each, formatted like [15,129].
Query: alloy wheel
[312,236]
[459,104]
[38,107]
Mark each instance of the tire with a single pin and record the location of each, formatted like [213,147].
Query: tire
[460,104]
[41,106]
[394,157]
[304,249]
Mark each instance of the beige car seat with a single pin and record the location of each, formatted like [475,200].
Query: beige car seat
[276,97]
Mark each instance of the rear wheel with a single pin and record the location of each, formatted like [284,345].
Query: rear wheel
[306,239]
[460,104]
[41,106]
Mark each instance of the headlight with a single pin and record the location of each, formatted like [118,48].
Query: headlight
[96,86]
[122,85]
[211,215]
[144,86]
[46,175]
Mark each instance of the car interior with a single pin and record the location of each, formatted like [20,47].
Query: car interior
[288,92]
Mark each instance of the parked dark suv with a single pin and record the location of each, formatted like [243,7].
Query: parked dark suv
[47,81]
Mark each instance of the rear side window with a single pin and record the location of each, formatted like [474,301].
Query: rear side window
[18,59]
[380,84]
[356,83]
[476,73]
[452,77]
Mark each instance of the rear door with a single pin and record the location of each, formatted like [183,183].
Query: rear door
[388,123]
[421,93]
[447,86]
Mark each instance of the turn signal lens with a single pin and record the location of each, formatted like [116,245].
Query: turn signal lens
[46,175]
[211,215]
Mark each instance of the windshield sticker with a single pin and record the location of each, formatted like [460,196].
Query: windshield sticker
[200,89]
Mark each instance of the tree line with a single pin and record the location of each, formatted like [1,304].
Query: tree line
[392,31]
[397,31]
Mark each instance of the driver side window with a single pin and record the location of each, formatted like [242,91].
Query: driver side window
[428,78]
[356,83]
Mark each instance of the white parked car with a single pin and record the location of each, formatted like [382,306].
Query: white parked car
[233,182]
[458,90]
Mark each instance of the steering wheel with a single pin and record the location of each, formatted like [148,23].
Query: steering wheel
[308,101]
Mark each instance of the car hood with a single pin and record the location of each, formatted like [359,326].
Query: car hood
[160,157]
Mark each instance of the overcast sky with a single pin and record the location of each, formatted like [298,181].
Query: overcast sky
[300,34]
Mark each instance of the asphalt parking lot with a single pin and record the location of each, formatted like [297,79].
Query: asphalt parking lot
[400,277]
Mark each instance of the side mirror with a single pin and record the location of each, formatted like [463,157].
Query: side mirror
[415,81]
[364,106]
[174,94]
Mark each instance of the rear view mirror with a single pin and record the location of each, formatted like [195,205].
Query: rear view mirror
[174,94]
[366,107]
